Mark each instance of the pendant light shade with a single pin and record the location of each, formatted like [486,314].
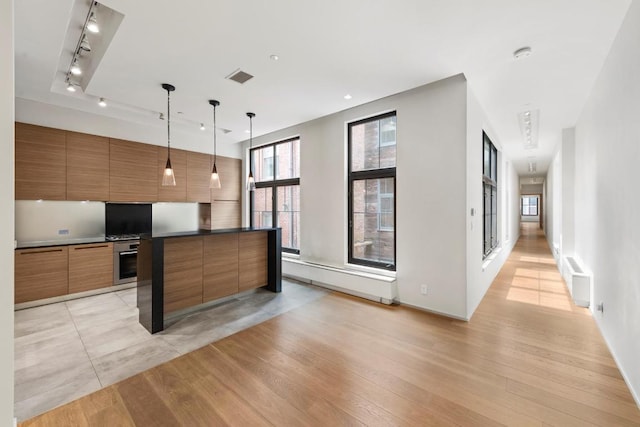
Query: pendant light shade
[168,177]
[251,183]
[215,178]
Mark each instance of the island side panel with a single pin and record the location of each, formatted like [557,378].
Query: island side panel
[150,284]
[274,283]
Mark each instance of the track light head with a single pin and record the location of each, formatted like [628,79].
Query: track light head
[92,24]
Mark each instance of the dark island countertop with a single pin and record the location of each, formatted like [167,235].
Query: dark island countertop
[203,232]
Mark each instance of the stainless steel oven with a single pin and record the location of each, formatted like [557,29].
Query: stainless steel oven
[125,261]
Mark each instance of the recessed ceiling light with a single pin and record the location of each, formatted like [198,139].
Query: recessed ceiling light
[523,52]
[247,131]
[274,57]
[202,126]
[102,102]
[347,96]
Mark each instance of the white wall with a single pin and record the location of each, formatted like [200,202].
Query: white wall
[607,232]
[481,272]
[432,184]
[6,212]
[568,192]
[553,204]
[149,132]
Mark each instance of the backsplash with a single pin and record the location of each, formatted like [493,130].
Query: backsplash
[58,220]
[38,221]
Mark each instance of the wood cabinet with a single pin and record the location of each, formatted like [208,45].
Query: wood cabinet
[220,266]
[40,163]
[182,273]
[179,165]
[41,273]
[87,167]
[230,179]
[133,175]
[225,214]
[252,249]
[198,177]
[90,267]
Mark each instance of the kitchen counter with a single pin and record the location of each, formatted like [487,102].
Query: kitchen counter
[60,242]
[181,271]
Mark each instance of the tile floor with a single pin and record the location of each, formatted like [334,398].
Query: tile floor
[69,349]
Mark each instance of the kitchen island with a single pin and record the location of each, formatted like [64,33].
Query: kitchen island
[178,272]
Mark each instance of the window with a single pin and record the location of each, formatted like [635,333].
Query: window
[372,188]
[490,187]
[529,206]
[276,199]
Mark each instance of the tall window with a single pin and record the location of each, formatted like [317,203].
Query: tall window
[276,200]
[372,189]
[529,205]
[490,186]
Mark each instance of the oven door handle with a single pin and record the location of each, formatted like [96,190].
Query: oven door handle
[128,253]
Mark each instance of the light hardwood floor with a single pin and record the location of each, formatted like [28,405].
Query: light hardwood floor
[528,357]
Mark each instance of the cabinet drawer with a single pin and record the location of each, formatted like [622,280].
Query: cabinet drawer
[90,267]
[41,273]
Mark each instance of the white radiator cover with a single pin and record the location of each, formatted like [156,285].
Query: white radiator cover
[578,281]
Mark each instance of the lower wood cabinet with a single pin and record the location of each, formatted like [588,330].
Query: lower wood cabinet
[41,273]
[182,273]
[90,267]
[220,266]
[252,250]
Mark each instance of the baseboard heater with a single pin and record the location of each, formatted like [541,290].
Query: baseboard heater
[578,281]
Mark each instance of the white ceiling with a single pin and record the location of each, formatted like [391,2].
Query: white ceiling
[367,48]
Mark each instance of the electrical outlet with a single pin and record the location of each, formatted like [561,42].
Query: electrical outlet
[600,307]
[423,289]
[63,232]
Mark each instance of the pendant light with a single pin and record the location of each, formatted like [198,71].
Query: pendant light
[251,183]
[168,178]
[215,178]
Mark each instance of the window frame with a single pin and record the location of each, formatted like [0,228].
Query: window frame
[363,175]
[274,184]
[490,182]
[529,205]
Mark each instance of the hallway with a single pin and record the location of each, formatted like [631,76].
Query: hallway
[527,357]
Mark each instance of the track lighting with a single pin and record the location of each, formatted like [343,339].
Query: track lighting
[70,87]
[102,102]
[75,68]
[84,44]
[202,126]
[92,24]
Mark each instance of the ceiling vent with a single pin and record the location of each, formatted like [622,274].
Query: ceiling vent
[239,76]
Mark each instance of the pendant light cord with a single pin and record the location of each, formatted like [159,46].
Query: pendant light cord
[168,124]
[214,135]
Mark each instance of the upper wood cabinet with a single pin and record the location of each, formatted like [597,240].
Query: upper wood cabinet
[90,267]
[198,176]
[133,171]
[87,167]
[40,163]
[179,165]
[229,170]
[40,273]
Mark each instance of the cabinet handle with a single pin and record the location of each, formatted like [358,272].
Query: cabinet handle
[41,252]
[91,247]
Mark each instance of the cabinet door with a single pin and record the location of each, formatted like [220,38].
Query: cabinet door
[179,165]
[220,266]
[90,267]
[182,273]
[225,214]
[40,162]
[87,167]
[40,273]
[230,179]
[133,174]
[252,251]
[198,176]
